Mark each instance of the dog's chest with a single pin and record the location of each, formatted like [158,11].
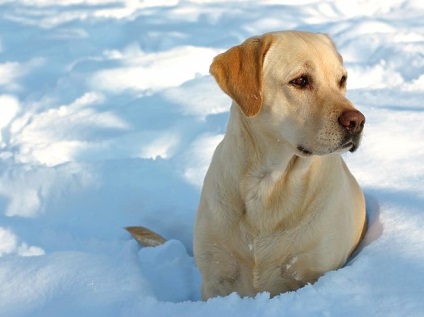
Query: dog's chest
[274,215]
[278,262]
[273,201]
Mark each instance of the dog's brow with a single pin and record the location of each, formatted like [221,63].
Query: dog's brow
[308,65]
[305,67]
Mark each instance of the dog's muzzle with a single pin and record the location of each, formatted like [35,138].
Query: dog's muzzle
[353,122]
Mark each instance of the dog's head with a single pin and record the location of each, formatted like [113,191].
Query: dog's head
[292,85]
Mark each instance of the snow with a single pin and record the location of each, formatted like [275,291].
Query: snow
[108,119]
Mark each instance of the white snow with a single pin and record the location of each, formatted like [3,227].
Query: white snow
[109,118]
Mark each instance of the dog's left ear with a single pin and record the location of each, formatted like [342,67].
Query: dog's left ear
[238,72]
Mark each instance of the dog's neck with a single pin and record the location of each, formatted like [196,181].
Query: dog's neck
[265,166]
[258,151]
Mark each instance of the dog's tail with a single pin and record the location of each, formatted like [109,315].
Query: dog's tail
[146,237]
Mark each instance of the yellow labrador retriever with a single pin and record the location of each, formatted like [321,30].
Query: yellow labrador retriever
[279,207]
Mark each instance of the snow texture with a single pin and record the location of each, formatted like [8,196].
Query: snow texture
[109,118]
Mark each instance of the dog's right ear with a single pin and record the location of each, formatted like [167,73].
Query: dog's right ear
[238,72]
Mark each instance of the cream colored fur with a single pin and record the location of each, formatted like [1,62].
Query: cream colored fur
[279,207]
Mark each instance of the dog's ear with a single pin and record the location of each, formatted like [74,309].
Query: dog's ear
[238,72]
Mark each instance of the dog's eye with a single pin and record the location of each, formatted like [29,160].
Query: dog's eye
[300,82]
[343,81]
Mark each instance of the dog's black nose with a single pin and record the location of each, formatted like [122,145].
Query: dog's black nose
[353,121]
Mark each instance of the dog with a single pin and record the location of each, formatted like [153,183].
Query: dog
[279,207]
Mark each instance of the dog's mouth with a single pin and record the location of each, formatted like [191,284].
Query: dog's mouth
[304,151]
[350,145]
